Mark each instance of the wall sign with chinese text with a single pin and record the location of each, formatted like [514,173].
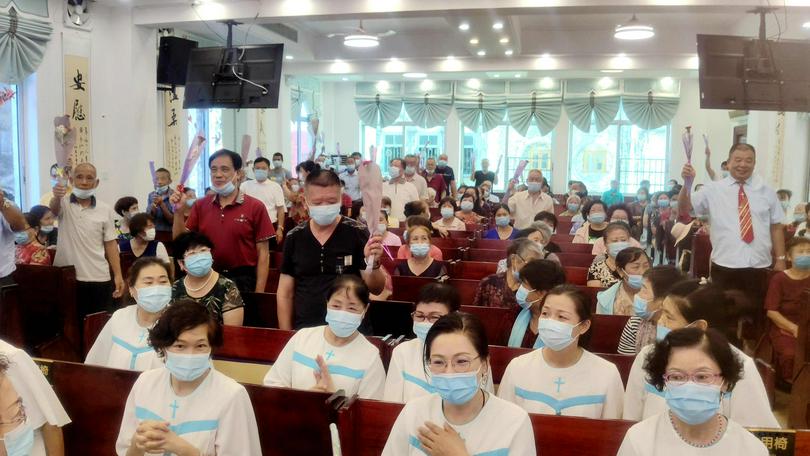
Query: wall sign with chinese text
[45,367]
[77,104]
[779,442]
[174,124]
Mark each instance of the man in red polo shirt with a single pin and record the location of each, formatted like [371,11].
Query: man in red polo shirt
[236,223]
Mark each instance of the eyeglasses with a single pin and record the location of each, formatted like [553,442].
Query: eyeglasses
[460,364]
[430,318]
[701,378]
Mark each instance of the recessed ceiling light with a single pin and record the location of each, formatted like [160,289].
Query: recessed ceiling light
[497,26]
[806,25]
[611,71]
[518,75]
[504,40]
[496,75]
[289,57]
[481,53]
[473,40]
[464,26]
[414,75]
[634,30]
[508,52]
[361,41]
[344,78]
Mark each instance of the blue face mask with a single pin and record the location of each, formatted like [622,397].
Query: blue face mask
[277,163]
[190,202]
[83,194]
[47,229]
[163,189]
[381,227]
[21,238]
[502,220]
[225,190]
[799,218]
[188,367]
[420,250]
[801,261]
[457,388]
[555,335]
[442,163]
[260,174]
[154,299]
[673,205]
[693,403]
[616,247]
[661,332]
[522,297]
[635,281]
[467,206]
[640,307]
[421,328]
[19,441]
[447,212]
[393,172]
[342,323]
[199,264]
[573,207]
[663,203]
[324,215]
[597,218]
[534,187]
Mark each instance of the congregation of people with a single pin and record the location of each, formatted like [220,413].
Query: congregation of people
[175,268]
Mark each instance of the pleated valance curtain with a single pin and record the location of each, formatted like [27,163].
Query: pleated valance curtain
[538,101]
[650,103]
[481,108]
[22,45]
[378,106]
[428,106]
[588,100]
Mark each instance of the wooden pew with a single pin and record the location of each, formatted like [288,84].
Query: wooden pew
[489,255]
[126,259]
[474,270]
[701,256]
[569,247]
[562,238]
[11,327]
[260,310]
[49,311]
[606,330]
[93,324]
[466,288]
[576,275]
[390,317]
[497,322]
[799,414]
[578,260]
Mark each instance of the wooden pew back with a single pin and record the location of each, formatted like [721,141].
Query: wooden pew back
[567,435]
[11,328]
[93,324]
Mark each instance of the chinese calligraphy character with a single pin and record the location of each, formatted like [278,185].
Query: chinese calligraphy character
[78,81]
[768,441]
[780,443]
[174,118]
[78,111]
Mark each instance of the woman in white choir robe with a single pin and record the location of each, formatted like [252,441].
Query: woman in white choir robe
[124,341]
[334,356]
[31,416]
[691,304]
[187,407]
[406,377]
[693,368]
[562,378]
[460,418]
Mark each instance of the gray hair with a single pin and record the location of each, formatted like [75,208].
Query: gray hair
[523,248]
[543,228]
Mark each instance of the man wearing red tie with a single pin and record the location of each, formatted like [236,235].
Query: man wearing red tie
[746,226]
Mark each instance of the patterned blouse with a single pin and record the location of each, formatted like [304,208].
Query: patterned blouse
[493,291]
[224,297]
[600,271]
[33,253]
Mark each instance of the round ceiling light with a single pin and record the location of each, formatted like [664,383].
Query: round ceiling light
[634,30]
[361,41]
[414,75]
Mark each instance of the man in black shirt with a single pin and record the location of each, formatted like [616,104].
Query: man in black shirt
[318,251]
[484,174]
[447,173]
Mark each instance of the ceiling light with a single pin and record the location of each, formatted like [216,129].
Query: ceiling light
[426,85]
[667,82]
[633,30]
[464,26]
[508,52]
[473,40]
[546,83]
[382,86]
[344,78]
[611,71]
[518,75]
[496,75]
[481,53]
[806,25]
[414,75]
[693,62]
[474,84]
[395,66]
[361,41]
[605,83]
[503,40]
[546,62]
[289,57]
[497,26]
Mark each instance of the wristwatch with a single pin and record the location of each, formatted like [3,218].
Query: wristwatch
[781,257]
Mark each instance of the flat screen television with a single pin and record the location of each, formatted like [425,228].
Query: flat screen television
[236,78]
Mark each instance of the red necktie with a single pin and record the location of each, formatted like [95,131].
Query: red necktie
[746,229]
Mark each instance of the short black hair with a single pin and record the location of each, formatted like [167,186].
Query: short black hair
[236,159]
[786,192]
[188,241]
[741,146]
[542,275]
[350,283]
[183,315]
[143,262]
[662,278]
[448,200]
[37,212]
[587,208]
[630,255]
[613,226]
[163,170]
[322,177]
[123,204]
[415,208]
[710,341]
[31,220]
[277,154]
[138,223]
[459,322]
[441,293]
[309,166]
[262,160]
[791,243]
[548,217]
[626,209]
[711,303]
[582,305]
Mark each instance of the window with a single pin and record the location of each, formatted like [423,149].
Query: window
[622,152]
[505,141]
[11,179]
[299,137]
[209,122]
[402,138]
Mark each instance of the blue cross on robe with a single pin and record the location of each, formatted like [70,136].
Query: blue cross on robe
[174,408]
[141,337]
[559,382]
[330,354]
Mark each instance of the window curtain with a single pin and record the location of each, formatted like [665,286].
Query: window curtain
[602,108]
[377,105]
[545,111]
[650,103]
[428,106]
[22,45]
[296,99]
[482,107]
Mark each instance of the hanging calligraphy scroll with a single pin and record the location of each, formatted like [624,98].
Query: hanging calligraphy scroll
[261,139]
[174,123]
[77,104]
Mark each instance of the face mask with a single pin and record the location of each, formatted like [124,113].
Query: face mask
[350,168]
[456,389]
[199,264]
[20,441]
[516,276]
[641,197]
[260,174]
[46,229]
[573,207]
[442,163]
[420,250]
[342,323]
[801,262]
[83,194]
[534,187]
[149,234]
[693,403]
[467,206]
[447,212]
[522,297]
[502,220]
[405,236]
[555,335]
[410,170]
[431,170]
[785,204]
[341,169]
[295,188]
[661,332]
[190,202]
[154,299]
[673,205]
[277,163]
[225,190]
[597,218]
[724,174]
[381,227]
[188,367]
[640,306]
[799,218]
[393,172]
[324,215]
[635,281]
[21,238]
[421,329]
[663,203]
[616,247]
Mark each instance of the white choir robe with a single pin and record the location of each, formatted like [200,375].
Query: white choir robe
[356,367]
[746,404]
[591,388]
[406,374]
[217,418]
[124,344]
[655,436]
[40,402]
[500,429]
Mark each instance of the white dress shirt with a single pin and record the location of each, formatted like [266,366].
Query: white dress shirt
[400,194]
[420,183]
[524,207]
[269,193]
[352,181]
[719,200]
